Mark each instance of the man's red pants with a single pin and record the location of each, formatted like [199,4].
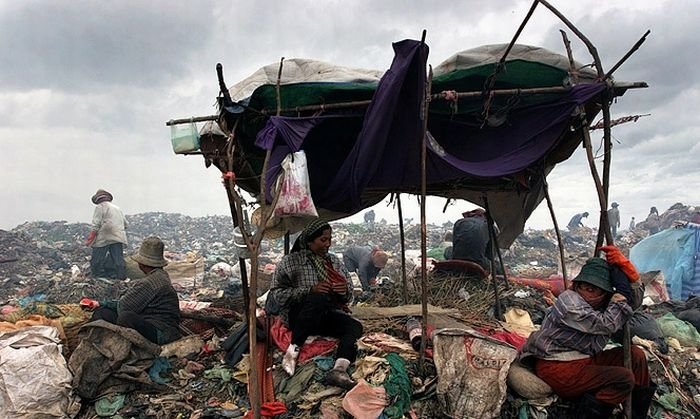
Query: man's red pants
[603,375]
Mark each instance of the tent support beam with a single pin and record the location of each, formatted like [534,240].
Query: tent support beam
[423,229]
[604,225]
[433,97]
[560,243]
[404,280]
[492,235]
[496,249]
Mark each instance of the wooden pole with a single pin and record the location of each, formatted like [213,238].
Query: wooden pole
[433,97]
[602,188]
[634,48]
[496,249]
[403,250]
[491,80]
[573,71]
[423,230]
[497,298]
[560,242]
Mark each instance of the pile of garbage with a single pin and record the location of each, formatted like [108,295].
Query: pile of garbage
[44,270]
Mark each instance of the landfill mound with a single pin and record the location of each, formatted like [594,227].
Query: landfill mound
[44,268]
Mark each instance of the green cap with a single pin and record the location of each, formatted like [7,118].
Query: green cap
[596,272]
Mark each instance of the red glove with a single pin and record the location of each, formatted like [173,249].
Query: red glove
[615,257]
[90,238]
[88,304]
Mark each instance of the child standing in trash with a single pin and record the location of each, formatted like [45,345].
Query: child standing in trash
[311,291]
[568,349]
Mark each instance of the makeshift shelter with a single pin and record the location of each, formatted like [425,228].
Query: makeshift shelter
[495,130]
[676,253]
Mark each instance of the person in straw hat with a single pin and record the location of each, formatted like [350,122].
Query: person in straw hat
[310,290]
[568,351]
[107,238]
[150,305]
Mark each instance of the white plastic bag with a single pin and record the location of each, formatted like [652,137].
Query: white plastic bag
[295,193]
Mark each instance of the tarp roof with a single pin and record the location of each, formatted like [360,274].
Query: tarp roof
[494,146]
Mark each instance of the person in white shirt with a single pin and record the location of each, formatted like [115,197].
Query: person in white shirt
[107,238]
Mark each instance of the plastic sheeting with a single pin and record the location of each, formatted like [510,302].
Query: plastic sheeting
[675,253]
[34,379]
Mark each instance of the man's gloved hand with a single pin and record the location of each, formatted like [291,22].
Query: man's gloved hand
[90,238]
[88,304]
[615,258]
[621,283]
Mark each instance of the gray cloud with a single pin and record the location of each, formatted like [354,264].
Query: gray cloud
[90,46]
[85,89]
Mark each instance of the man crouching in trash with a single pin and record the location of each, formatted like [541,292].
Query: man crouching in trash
[568,349]
[311,291]
[150,305]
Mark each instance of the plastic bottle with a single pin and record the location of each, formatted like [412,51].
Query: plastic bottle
[415,332]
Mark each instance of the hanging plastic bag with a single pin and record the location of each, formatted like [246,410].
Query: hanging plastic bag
[295,193]
[184,137]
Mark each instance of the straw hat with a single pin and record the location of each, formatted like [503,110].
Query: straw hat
[151,253]
[275,227]
[101,195]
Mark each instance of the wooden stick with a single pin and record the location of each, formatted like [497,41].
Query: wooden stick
[496,296]
[591,49]
[491,80]
[494,240]
[403,250]
[423,229]
[603,188]
[560,242]
[193,119]
[634,48]
[433,97]
[573,71]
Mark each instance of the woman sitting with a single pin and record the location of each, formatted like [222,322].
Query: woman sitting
[311,289]
[568,349]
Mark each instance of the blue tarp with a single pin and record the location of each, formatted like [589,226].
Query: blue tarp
[673,252]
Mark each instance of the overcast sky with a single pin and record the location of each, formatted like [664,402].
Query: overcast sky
[86,88]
